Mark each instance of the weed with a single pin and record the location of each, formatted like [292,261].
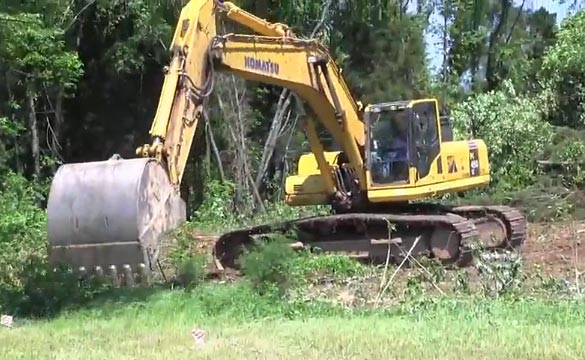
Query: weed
[462,282]
[501,273]
[191,271]
[338,266]
[268,266]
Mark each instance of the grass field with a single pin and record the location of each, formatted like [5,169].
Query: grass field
[541,319]
[242,325]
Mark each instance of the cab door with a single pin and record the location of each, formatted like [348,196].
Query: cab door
[426,144]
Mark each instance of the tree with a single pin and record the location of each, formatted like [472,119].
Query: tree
[513,127]
[563,71]
[39,70]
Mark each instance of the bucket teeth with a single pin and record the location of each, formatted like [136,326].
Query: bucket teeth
[99,271]
[127,276]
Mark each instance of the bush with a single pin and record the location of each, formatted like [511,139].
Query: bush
[563,71]
[268,266]
[514,129]
[191,271]
[217,207]
[22,229]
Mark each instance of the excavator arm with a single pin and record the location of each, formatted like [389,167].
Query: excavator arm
[275,57]
[110,215]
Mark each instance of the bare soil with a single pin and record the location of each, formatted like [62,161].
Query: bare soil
[555,248]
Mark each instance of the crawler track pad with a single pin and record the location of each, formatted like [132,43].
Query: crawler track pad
[108,216]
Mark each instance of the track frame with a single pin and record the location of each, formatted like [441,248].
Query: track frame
[447,233]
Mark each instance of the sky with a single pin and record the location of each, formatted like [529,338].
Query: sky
[433,42]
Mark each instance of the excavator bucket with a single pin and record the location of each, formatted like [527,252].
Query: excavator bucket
[108,217]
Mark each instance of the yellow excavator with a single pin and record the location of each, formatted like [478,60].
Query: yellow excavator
[109,216]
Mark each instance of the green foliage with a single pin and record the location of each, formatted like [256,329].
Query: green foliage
[268,266]
[38,51]
[182,258]
[9,131]
[541,202]
[139,30]
[565,145]
[564,72]
[310,265]
[191,271]
[513,128]
[217,206]
[218,209]
[22,226]
[387,63]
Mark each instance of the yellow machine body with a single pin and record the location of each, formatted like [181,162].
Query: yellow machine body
[456,167]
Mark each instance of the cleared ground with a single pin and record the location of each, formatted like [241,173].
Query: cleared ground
[557,248]
[240,325]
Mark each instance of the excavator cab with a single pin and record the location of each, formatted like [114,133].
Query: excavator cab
[389,143]
[412,154]
[402,135]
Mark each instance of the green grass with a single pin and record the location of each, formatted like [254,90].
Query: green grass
[243,325]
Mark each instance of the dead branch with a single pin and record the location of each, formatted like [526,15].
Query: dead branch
[276,127]
[213,144]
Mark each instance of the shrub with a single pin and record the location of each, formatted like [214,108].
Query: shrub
[22,228]
[268,266]
[191,271]
[513,128]
[563,71]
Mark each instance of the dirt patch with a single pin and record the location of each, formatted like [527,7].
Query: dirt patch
[203,242]
[555,248]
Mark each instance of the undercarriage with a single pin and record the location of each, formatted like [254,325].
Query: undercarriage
[447,233]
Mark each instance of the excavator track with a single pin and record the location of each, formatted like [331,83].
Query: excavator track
[446,233]
[512,218]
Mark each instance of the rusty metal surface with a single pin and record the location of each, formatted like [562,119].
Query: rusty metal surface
[111,213]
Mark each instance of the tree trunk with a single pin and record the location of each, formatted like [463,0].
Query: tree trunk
[275,129]
[58,126]
[214,146]
[242,145]
[34,131]
[491,72]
